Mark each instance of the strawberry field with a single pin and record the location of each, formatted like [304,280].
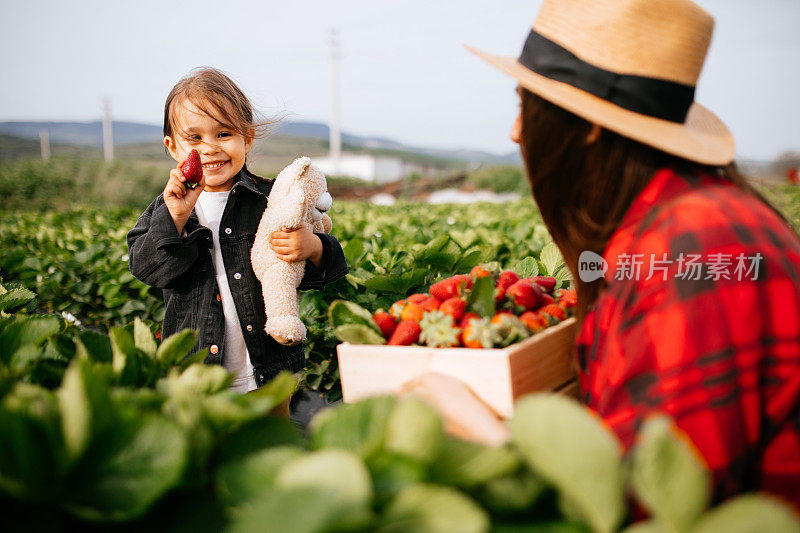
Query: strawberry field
[113,429]
[75,262]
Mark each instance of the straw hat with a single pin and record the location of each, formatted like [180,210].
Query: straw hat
[630,66]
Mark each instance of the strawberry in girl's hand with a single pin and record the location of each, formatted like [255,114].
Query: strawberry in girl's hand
[385,322]
[192,169]
[405,334]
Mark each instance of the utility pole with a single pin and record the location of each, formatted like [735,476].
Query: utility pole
[335,132]
[44,144]
[108,135]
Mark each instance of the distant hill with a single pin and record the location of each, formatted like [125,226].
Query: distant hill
[90,134]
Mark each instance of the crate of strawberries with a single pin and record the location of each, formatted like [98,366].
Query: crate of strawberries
[502,335]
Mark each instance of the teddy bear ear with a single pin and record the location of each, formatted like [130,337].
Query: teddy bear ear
[301,164]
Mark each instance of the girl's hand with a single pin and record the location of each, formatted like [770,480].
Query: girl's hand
[179,198]
[297,244]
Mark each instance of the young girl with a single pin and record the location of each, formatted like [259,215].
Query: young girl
[195,243]
[698,312]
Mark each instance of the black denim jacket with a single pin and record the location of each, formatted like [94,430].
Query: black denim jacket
[183,267]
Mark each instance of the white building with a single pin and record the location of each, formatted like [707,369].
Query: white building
[368,167]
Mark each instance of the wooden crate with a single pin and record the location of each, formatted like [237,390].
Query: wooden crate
[542,362]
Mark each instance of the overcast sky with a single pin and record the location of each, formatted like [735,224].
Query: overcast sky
[404,73]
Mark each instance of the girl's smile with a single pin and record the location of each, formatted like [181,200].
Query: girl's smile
[222,150]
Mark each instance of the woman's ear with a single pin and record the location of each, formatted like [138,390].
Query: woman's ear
[171,147]
[594,134]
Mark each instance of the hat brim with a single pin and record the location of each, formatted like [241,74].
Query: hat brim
[702,137]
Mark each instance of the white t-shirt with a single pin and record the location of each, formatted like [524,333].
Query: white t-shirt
[209,208]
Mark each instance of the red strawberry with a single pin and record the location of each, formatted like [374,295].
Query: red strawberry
[430,303]
[479,272]
[405,334]
[548,283]
[546,300]
[412,312]
[466,318]
[385,322]
[554,311]
[525,294]
[453,286]
[454,307]
[397,308]
[507,278]
[567,298]
[192,169]
[534,322]
[418,298]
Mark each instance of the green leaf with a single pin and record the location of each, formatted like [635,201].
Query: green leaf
[481,297]
[749,513]
[469,260]
[358,334]
[98,346]
[126,468]
[84,404]
[466,464]
[391,473]
[242,478]
[358,427]
[414,430]
[343,312]
[25,331]
[143,338]
[512,494]
[527,268]
[280,388]
[344,473]
[551,258]
[298,510]
[668,476]
[566,444]
[32,457]
[397,283]
[15,298]
[176,347]
[353,251]
[432,509]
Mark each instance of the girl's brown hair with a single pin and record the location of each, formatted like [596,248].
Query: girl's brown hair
[219,97]
[583,189]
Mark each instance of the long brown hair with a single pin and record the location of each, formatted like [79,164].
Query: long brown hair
[219,97]
[583,189]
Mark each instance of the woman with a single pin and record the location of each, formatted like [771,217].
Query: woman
[698,312]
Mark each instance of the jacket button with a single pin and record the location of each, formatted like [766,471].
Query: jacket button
[249,327]
[237,276]
[228,231]
[214,349]
[219,298]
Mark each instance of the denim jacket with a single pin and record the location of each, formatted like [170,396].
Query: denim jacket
[182,266]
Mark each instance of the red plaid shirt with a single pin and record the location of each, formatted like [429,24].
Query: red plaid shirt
[695,336]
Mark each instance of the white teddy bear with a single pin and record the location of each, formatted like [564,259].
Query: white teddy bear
[299,198]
